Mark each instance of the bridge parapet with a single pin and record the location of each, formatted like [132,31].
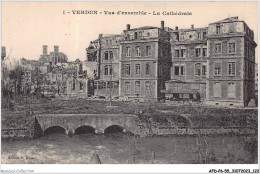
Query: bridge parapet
[70,122]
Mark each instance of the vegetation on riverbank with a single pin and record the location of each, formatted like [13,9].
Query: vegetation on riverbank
[22,115]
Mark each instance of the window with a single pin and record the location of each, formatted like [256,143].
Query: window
[127,69]
[147,68]
[204,70]
[106,70]
[80,86]
[231,48]
[138,51]
[135,35]
[137,69]
[127,87]
[197,51]
[204,52]
[128,53]
[199,35]
[147,87]
[140,35]
[183,52]
[106,55]
[148,50]
[177,53]
[182,70]
[231,68]
[110,55]
[197,69]
[137,87]
[110,70]
[217,89]
[204,35]
[231,90]
[218,29]
[218,48]
[73,85]
[217,68]
[106,42]
[176,70]
[110,42]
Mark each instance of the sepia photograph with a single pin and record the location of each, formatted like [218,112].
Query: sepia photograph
[129,83]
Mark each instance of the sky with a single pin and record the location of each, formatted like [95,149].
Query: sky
[26,26]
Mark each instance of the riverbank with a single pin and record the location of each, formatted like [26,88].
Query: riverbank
[154,118]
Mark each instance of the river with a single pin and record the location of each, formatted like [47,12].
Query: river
[120,148]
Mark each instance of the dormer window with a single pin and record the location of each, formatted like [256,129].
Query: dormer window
[218,29]
[135,35]
[199,35]
[140,35]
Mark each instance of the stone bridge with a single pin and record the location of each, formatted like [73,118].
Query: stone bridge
[99,122]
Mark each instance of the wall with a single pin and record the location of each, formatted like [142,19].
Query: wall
[77,91]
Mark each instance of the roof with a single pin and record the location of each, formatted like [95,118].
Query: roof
[144,28]
[111,35]
[228,20]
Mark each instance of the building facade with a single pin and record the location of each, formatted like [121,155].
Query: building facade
[214,65]
[231,63]
[189,64]
[144,62]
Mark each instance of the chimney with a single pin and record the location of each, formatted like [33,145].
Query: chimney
[162,25]
[192,26]
[176,28]
[127,27]
[56,48]
[100,36]
[44,50]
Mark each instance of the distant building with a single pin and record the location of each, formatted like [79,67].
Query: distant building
[91,65]
[3,52]
[77,87]
[54,57]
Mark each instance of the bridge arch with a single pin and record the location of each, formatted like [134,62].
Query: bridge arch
[54,129]
[84,130]
[114,129]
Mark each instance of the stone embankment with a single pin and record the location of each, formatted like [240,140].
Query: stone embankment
[145,131]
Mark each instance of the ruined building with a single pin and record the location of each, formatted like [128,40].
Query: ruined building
[214,65]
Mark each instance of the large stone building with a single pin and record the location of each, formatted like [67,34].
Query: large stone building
[145,62]
[231,63]
[103,64]
[189,64]
[215,64]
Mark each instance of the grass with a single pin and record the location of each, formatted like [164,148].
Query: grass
[199,116]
